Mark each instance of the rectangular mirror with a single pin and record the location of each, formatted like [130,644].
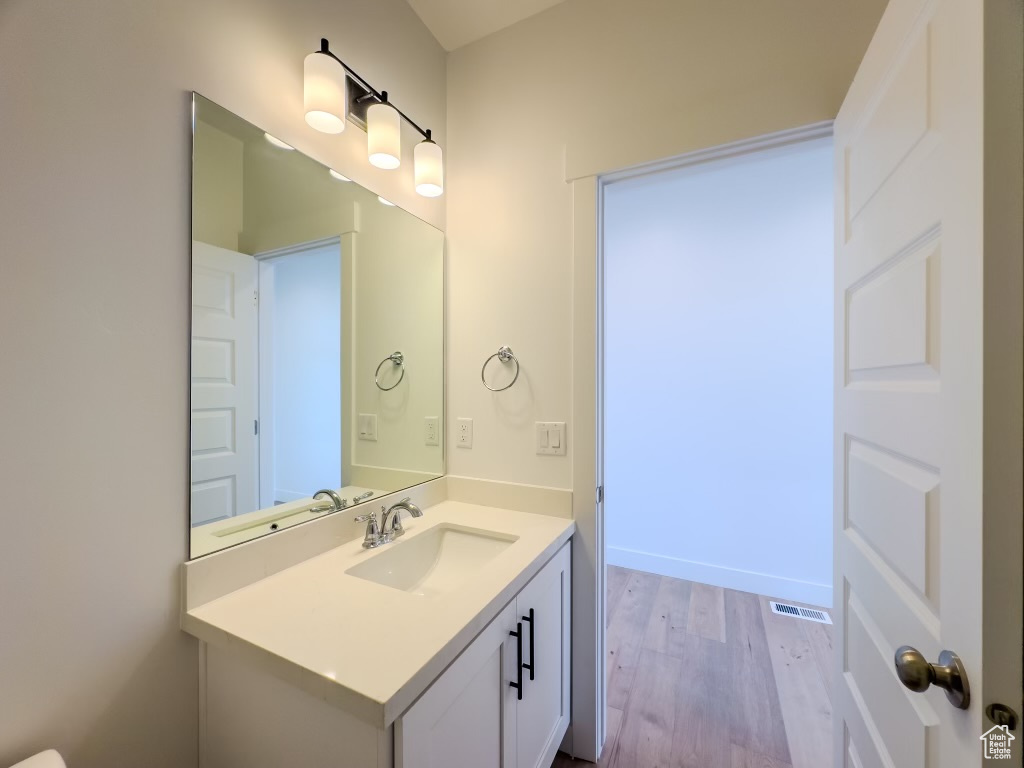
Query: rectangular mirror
[317,345]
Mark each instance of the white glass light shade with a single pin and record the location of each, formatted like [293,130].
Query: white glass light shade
[384,136]
[338,176]
[384,202]
[325,93]
[429,169]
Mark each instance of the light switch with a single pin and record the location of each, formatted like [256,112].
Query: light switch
[368,426]
[431,428]
[550,438]
[464,433]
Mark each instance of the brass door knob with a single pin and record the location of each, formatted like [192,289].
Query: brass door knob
[949,674]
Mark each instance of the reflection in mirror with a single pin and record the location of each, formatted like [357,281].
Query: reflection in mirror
[317,338]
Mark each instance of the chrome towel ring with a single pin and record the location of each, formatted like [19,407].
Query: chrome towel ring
[397,358]
[504,355]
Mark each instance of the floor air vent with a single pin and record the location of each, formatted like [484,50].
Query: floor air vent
[800,613]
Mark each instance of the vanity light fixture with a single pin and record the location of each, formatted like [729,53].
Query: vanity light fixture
[429,168]
[324,93]
[277,142]
[384,135]
[385,202]
[338,176]
[333,92]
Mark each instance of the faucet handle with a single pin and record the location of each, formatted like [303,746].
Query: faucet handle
[396,528]
[373,537]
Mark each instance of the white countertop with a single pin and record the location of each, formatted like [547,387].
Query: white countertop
[211,537]
[363,647]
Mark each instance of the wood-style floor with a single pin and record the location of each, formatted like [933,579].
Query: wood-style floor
[704,677]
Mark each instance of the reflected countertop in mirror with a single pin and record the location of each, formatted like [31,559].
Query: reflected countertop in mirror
[317,343]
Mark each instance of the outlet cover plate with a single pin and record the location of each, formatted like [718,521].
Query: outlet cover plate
[431,430]
[464,433]
[368,426]
[550,438]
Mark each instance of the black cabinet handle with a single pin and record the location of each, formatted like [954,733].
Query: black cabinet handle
[532,666]
[518,635]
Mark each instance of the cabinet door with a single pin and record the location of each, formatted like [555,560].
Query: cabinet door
[465,717]
[542,716]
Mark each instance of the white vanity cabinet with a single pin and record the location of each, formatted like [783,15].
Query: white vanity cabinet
[469,716]
[505,700]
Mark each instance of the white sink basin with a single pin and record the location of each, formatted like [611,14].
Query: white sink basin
[434,562]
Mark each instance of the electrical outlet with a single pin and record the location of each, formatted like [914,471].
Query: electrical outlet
[550,438]
[368,426]
[464,433]
[431,428]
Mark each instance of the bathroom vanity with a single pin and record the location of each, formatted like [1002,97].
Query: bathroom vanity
[447,647]
[316,397]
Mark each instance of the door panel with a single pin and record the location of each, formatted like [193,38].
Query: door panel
[464,718]
[543,714]
[224,388]
[910,252]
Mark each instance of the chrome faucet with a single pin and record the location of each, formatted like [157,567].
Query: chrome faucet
[337,503]
[362,496]
[396,510]
[380,533]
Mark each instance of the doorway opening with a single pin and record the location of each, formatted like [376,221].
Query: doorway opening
[717,386]
[300,364]
[267,384]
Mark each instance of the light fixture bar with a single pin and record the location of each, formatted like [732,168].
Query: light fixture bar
[379,96]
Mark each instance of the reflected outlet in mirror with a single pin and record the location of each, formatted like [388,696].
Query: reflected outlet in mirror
[311,303]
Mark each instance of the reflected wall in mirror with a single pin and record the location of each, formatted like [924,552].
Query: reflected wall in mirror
[304,286]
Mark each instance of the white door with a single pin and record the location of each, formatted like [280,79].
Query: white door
[224,389]
[927,479]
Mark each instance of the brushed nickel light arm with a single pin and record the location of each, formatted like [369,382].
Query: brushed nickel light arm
[381,97]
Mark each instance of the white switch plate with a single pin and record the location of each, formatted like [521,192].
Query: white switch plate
[368,426]
[550,438]
[431,428]
[464,433]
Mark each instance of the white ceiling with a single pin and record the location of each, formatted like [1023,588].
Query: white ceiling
[457,22]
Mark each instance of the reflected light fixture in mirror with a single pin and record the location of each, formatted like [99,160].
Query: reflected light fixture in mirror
[325,93]
[329,100]
[338,176]
[277,142]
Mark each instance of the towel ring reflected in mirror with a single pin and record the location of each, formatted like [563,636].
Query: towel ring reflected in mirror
[396,358]
[504,355]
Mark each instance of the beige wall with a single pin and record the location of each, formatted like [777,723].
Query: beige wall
[94,286]
[399,305]
[217,191]
[291,200]
[396,298]
[586,87]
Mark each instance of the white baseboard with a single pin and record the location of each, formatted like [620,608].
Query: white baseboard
[721,576]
